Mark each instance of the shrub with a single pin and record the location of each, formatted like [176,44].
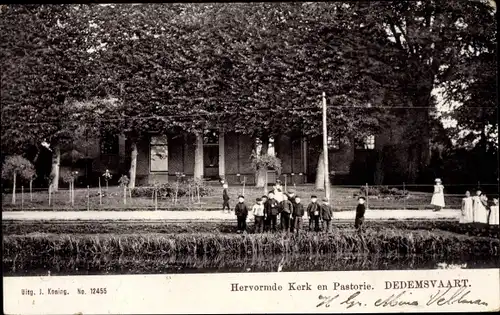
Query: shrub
[382,191]
[167,190]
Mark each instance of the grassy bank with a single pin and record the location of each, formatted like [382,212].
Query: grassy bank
[105,264]
[117,227]
[387,241]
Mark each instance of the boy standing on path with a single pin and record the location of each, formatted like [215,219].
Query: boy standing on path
[360,218]
[241,211]
[272,211]
[291,197]
[286,211]
[313,211]
[225,199]
[327,214]
[258,213]
[298,213]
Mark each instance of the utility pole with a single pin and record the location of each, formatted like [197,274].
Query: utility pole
[325,150]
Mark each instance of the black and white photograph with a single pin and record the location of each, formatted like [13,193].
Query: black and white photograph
[247,138]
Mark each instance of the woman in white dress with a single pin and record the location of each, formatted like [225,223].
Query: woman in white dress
[480,210]
[494,212]
[438,196]
[467,209]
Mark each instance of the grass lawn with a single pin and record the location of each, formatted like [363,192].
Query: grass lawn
[342,199]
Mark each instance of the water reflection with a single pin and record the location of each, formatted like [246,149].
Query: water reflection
[105,264]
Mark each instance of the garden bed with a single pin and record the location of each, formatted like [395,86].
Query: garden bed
[211,199]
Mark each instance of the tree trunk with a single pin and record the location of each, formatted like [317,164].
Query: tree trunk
[14,189]
[261,173]
[320,172]
[133,164]
[56,161]
[198,157]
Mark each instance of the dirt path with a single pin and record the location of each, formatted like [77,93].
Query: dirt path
[210,215]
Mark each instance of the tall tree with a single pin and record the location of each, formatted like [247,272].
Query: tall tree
[433,37]
[42,72]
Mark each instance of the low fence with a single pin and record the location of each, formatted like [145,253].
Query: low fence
[411,197]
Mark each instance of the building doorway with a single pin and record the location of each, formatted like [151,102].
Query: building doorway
[211,154]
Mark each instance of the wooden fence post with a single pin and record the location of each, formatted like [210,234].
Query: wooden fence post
[366,195]
[404,196]
[50,193]
[22,197]
[88,198]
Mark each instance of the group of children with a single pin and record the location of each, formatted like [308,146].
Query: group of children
[290,211]
[477,209]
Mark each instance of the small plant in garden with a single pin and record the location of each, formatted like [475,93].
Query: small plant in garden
[382,191]
[69,178]
[17,165]
[123,181]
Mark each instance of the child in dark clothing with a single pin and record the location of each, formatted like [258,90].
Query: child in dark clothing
[286,211]
[313,211]
[360,218]
[360,214]
[241,211]
[225,199]
[298,213]
[272,210]
[326,214]
[291,196]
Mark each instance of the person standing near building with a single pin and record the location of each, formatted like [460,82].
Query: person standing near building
[467,214]
[291,197]
[258,214]
[493,220]
[225,198]
[313,211]
[298,213]
[272,210]
[480,207]
[360,219]
[438,196]
[286,212]
[241,211]
[327,214]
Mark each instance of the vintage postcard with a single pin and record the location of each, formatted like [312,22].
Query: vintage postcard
[266,157]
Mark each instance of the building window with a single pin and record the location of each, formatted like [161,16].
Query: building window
[271,149]
[110,145]
[333,143]
[211,137]
[159,154]
[368,143]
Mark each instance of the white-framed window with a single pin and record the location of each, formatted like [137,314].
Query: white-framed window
[158,154]
[333,143]
[271,149]
[110,144]
[367,143]
[211,137]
